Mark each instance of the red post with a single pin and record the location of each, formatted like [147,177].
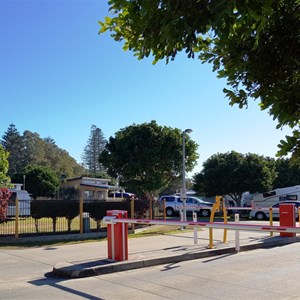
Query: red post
[117,236]
[287,217]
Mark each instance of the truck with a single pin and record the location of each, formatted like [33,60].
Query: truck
[174,205]
[272,197]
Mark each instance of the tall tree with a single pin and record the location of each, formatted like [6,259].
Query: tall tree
[30,148]
[34,150]
[254,44]
[288,173]
[59,160]
[12,142]
[233,173]
[147,157]
[92,151]
[4,179]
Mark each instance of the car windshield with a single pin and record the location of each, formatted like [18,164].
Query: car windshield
[201,200]
[198,201]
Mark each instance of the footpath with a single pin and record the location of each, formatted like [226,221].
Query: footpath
[91,259]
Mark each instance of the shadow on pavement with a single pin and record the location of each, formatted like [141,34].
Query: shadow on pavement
[51,280]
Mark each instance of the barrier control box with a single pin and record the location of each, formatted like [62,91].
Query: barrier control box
[117,236]
[287,218]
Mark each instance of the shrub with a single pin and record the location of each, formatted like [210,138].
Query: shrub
[70,209]
[4,197]
[54,209]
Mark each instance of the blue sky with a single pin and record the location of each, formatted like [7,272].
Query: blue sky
[58,77]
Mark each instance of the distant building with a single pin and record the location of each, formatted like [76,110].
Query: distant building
[92,188]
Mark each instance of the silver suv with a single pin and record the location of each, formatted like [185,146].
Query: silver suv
[174,205]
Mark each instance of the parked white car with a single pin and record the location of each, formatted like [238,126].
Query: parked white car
[174,204]
[263,213]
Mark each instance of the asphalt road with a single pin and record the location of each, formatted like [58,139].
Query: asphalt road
[258,274]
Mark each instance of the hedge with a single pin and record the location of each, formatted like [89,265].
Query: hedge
[70,209]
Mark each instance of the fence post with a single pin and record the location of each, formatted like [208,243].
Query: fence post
[81,211]
[17,219]
[225,219]
[132,212]
[211,219]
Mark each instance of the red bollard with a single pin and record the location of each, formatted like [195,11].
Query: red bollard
[287,217]
[117,237]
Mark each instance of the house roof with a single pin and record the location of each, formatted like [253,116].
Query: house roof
[88,179]
[107,187]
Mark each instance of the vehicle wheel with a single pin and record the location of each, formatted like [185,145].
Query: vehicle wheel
[169,211]
[204,213]
[260,215]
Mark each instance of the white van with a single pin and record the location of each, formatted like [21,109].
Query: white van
[270,198]
[24,203]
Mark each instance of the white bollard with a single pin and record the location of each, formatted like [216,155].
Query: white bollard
[195,229]
[237,233]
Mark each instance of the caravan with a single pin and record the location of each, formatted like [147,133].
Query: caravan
[282,194]
[24,202]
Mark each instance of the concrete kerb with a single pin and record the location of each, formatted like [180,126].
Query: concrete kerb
[105,266]
[62,237]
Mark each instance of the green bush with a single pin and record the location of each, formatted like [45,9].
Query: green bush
[70,209]
[54,209]
[98,210]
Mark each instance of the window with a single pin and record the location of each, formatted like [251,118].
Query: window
[89,194]
[282,198]
[292,197]
[191,200]
[288,197]
[12,199]
[269,194]
[168,199]
[100,195]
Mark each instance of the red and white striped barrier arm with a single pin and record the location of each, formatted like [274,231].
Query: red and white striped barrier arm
[217,225]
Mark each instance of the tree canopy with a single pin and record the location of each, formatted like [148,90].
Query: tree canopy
[4,179]
[41,181]
[13,143]
[288,173]
[147,157]
[233,173]
[254,44]
[31,149]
